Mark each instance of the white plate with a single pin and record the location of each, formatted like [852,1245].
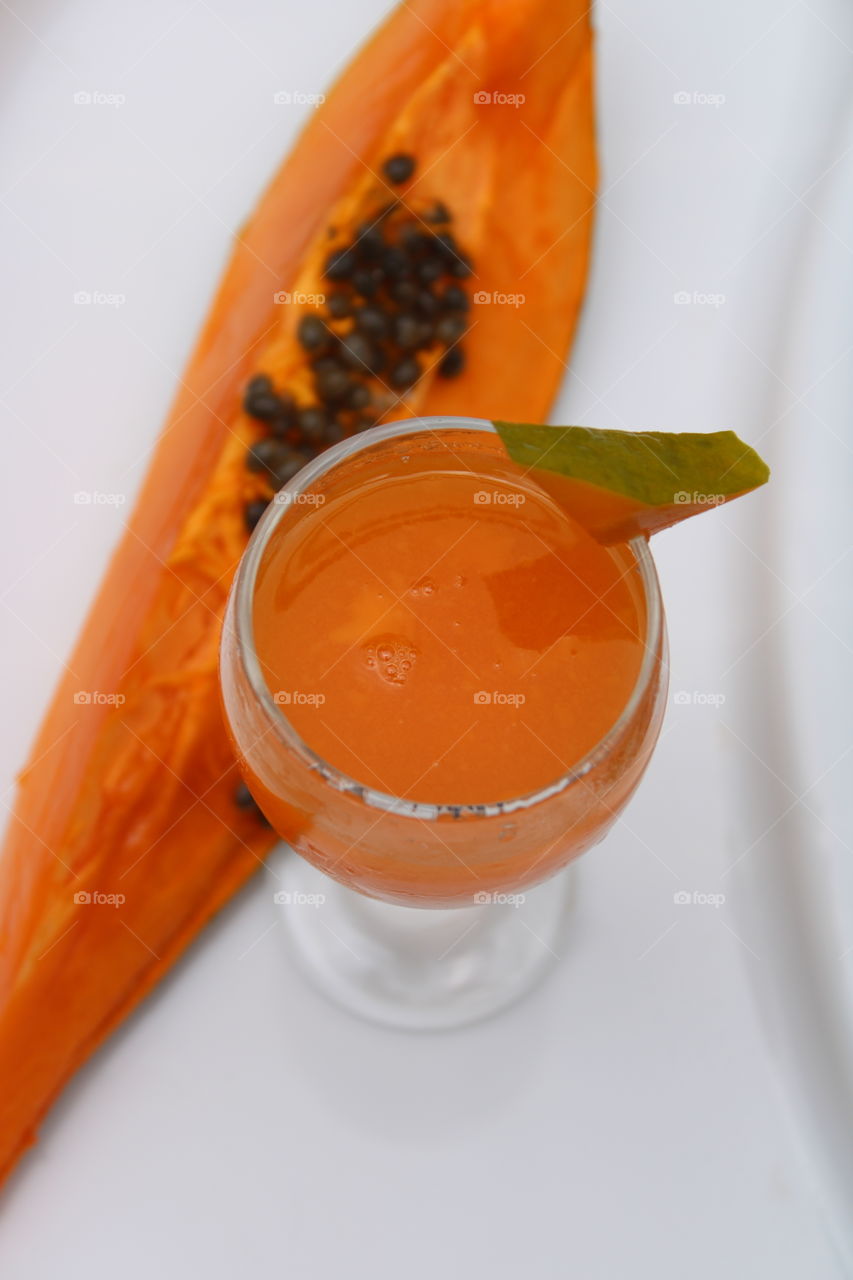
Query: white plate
[792,713]
[621,1122]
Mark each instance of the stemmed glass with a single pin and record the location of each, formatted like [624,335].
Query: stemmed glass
[411,914]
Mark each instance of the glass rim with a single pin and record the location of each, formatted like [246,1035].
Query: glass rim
[241,612]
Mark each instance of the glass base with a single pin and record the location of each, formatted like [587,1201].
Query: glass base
[417,968]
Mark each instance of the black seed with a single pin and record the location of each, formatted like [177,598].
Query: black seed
[358,352]
[405,292]
[313,422]
[455,298]
[367,280]
[438,213]
[260,400]
[340,265]
[426,333]
[405,373]
[426,303]
[378,360]
[313,333]
[331,379]
[259,385]
[395,263]
[333,433]
[372,322]
[450,328]
[461,267]
[285,418]
[452,364]
[253,511]
[430,270]
[391,207]
[358,396]
[407,332]
[265,456]
[369,242]
[399,168]
[339,304]
[244,799]
[289,467]
[415,242]
[264,406]
[445,244]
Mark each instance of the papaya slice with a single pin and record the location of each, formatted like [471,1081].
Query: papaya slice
[463,134]
[626,484]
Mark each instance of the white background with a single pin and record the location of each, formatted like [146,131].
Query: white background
[631,1119]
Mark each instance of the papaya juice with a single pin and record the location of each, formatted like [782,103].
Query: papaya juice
[437,683]
[440,630]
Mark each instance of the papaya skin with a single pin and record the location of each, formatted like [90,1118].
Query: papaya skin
[627,484]
[137,800]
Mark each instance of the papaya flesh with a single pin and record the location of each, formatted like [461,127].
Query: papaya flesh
[130,828]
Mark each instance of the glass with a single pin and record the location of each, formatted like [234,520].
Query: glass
[424,915]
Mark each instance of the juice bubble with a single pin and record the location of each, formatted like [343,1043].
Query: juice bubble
[392,657]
